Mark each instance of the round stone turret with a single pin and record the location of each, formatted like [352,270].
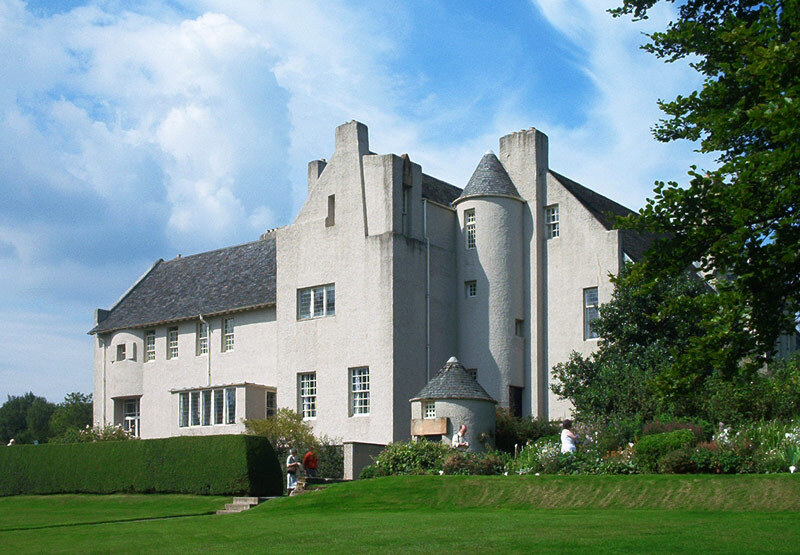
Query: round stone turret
[451,398]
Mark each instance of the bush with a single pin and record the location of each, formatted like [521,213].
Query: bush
[331,460]
[485,464]
[510,430]
[93,435]
[650,449]
[677,462]
[711,458]
[210,465]
[412,458]
[370,471]
[661,427]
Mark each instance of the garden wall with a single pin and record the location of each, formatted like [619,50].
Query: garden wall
[212,465]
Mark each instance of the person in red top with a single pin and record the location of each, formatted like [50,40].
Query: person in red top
[310,463]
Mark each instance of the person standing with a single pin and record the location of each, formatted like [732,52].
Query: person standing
[310,463]
[568,438]
[292,466]
[460,438]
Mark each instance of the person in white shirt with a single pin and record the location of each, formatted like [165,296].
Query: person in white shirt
[460,438]
[568,438]
[292,465]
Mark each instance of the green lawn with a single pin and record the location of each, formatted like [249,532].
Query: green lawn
[439,514]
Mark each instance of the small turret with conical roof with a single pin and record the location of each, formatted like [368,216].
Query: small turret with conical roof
[490,178]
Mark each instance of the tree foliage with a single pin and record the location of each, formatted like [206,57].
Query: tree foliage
[74,413]
[25,418]
[740,220]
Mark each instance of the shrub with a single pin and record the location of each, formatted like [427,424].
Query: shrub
[459,462]
[412,458]
[93,435]
[711,458]
[510,430]
[650,449]
[331,460]
[370,471]
[677,462]
[660,427]
[210,465]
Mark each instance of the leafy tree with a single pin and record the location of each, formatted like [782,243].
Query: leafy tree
[632,373]
[742,219]
[74,412]
[25,418]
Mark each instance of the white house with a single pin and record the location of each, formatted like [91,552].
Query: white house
[346,313]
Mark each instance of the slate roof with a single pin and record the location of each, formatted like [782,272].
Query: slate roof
[490,178]
[439,191]
[634,244]
[453,382]
[224,280]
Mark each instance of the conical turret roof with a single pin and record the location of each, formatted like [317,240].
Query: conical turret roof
[490,178]
[453,382]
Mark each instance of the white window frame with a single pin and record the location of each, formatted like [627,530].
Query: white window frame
[218,417]
[230,405]
[207,410]
[428,409]
[470,289]
[307,395]
[202,338]
[183,409]
[172,343]
[591,303]
[321,302]
[228,328]
[149,345]
[212,407]
[551,221]
[470,231]
[359,391]
[120,352]
[131,417]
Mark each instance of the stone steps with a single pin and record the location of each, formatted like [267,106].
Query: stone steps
[241,504]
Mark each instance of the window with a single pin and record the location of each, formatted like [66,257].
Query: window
[183,410]
[219,406]
[590,314]
[149,345]
[471,288]
[202,338]
[469,218]
[405,210]
[194,408]
[359,391]
[308,394]
[230,401]
[316,302]
[519,328]
[272,404]
[120,352]
[130,417]
[172,343]
[551,221]
[331,219]
[227,334]
[429,409]
[515,401]
[207,407]
[472,372]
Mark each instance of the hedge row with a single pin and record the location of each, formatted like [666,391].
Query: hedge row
[209,465]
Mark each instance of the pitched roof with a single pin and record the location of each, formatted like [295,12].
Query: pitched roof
[224,280]
[439,191]
[490,178]
[634,243]
[453,382]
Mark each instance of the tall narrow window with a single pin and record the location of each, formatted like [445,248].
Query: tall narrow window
[227,334]
[183,410]
[120,352]
[207,407]
[330,220]
[316,302]
[551,221]
[471,288]
[172,343]
[359,391]
[308,394]
[149,345]
[429,410]
[405,210]
[230,402]
[130,417]
[519,328]
[194,408]
[590,312]
[272,404]
[515,401]
[219,406]
[469,219]
[202,338]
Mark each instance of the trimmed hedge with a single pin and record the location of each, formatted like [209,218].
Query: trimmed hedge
[208,465]
[650,449]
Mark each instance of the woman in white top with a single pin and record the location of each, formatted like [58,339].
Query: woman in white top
[568,439]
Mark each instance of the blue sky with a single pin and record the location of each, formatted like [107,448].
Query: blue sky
[132,131]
